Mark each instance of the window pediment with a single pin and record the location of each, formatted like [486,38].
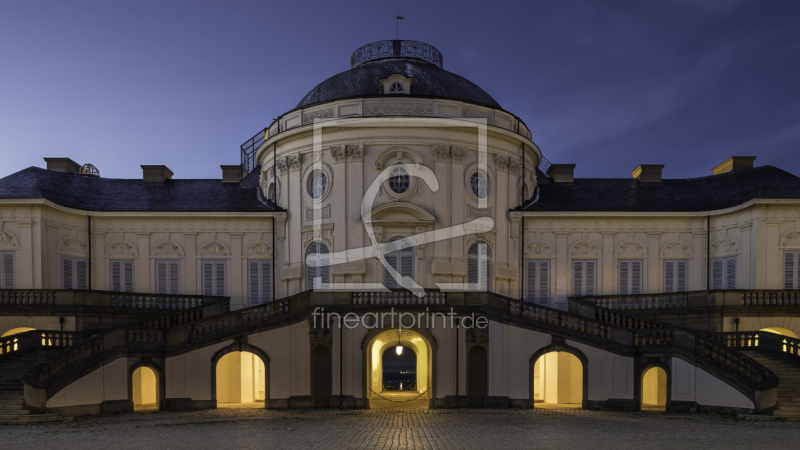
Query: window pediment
[399,213]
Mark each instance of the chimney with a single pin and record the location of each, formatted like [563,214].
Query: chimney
[65,165]
[648,173]
[156,175]
[231,174]
[563,173]
[734,163]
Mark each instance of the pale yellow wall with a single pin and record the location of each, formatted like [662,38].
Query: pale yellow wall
[107,383]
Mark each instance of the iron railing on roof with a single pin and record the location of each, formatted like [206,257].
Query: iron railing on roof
[249,152]
[396,48]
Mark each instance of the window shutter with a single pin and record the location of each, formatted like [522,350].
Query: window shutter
[219,278]
[208,278]
[7,270]
[716,274]
[624,277]
[161,277]
[590,278]
[253,271]
[266,281]
[128,275]
[682,277]
[636,277]
[669,276]
[407,265]
[81,273]
[531,279]
[789,272]
[577,278]
[174,277]
[543,296]
[116,276]
[472,267]
[66,273]
[730,273]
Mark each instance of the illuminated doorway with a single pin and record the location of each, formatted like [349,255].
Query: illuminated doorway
[241,381]
[558,381]
[382,382]
[654,389]
[145,389]
[17,331]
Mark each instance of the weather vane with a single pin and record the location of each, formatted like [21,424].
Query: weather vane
[398,18]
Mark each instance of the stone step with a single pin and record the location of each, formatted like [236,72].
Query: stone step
[18,406]
[782,407]
[787,414]
[14,412]
[34,419]
[11,396]
[11,402]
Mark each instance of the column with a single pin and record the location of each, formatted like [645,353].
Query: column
[237,278]
[651,282]
[143,271]
[562,268]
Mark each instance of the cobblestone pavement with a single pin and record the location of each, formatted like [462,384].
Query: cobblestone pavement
[470,428]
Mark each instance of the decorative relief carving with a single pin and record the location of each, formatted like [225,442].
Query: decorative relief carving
[630,248]
[294,162]
[725,246]
[474,114]
[73,246]
[258,249]
[167,249]
[318,335]
[316,156]
[478,335]
[338,153]
[676,249]
[318,213]
[355,151]
[441,152]
[584,248]
[423,109]
[514,164]
[791,240]
[538,249]
[474,212]
[283,165]
[502,162]
[8,240]
[320,114]
[214,249]
[122,249]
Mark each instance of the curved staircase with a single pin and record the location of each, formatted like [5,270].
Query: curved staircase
[12,405]
[788,372]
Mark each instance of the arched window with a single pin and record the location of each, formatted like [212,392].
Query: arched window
[400,255]
[317,185]
[318,272]
[396,88]
[479,267]
[399,180]
[479,184]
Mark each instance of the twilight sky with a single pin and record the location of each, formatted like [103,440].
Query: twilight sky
[607,85]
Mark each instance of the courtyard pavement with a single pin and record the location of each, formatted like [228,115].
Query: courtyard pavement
[466,428]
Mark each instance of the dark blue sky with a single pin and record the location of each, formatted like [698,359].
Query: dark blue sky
[604,84]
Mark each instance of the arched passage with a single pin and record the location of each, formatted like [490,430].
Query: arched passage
[19,330]
[399,369]
[241,380]
[321,376]
[781,331]
[377,394]
[558,381]
[144,384]
[477,375]
[654,389]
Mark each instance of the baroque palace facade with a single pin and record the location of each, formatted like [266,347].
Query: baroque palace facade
[399,191]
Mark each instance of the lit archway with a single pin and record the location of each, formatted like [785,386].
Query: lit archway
[388,341]
[781,331]
[145,389]
[558,381]
[399,369]
[241,381]
[654,389]
[19,330]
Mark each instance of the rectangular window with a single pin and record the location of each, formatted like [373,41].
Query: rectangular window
[584,274]
[259,282]
[213,277]
[791,270]
[74,273]
[723,273]
[168,277]
[6,270]
[676,275]
[630,277]
[538,281]
[122,276]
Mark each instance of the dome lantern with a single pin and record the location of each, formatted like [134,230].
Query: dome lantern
[396,49]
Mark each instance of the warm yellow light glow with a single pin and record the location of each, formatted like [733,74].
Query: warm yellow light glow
[399,349]
[17,331]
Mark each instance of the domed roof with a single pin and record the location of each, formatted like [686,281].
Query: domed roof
[429,79]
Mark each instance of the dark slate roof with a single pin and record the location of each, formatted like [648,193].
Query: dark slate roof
[429,81]
[692,194]
[109,194]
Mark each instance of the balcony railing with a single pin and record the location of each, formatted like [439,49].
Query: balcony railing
[35,298]
[36,339]
[759,340]
[762,298]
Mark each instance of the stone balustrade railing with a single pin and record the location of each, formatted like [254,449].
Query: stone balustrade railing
[746,340]
[654,301]
[766,298]
[762,298]
[239,320]
[560,319]
[36,339]
[33,298]
[398,298]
